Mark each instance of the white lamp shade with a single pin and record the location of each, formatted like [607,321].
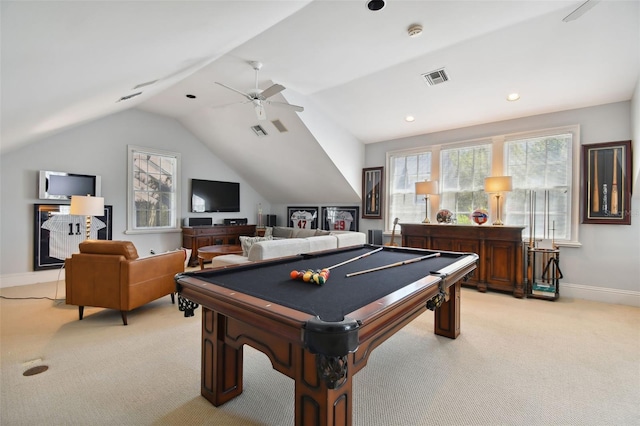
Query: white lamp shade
[427,187]
[495,184]
[86,205]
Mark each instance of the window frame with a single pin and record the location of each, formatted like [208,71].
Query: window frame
[497,167]
[132,150]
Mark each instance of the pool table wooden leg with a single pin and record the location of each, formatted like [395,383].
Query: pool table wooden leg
[315,403]
[221,363]
[447,316]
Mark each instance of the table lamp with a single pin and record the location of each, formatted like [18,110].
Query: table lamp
[497,185]
[86,205]
[427,188]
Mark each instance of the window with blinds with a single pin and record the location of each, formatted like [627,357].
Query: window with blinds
[404,170]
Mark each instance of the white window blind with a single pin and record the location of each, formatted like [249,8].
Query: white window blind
[404,170]
[462,173]
[542,167]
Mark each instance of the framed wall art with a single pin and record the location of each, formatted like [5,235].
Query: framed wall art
[607,183]
[340,218]
[302,217]
[57,233]
[372,192]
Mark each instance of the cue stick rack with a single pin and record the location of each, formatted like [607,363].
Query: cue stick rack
[543,256]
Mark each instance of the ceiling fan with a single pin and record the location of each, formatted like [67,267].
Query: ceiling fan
[260,97]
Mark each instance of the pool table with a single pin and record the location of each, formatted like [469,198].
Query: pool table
[319,335]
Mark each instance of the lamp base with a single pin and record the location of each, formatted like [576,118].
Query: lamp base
[498,222]
[426,220]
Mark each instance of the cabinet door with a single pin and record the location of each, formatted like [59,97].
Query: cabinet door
[414,242]
[501,265]
[447,244]
[470,246]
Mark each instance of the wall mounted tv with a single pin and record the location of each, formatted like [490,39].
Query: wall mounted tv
[62,185]
[214,196]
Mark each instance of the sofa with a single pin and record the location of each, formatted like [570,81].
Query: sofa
[280,241]
[109,274]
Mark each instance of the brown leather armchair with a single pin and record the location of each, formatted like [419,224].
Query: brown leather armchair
[109,274]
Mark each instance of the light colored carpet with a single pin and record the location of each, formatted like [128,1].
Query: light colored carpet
[517,362]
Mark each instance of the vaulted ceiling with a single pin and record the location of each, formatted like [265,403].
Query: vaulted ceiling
[356,72]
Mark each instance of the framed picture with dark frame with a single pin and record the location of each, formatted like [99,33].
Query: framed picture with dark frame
[340,218]
[372,192]
[302,217]
[606,183]
[57,233]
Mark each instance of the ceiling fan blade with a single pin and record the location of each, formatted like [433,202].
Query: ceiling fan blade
[286,105]
[581,10]
[228,105]
[270,91]
[235,90]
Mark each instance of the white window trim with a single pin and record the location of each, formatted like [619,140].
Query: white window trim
[497,166]
[131,204]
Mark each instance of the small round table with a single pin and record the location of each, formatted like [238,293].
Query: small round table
[209,252]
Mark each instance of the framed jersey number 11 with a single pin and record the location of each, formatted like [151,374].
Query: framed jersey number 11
[57,233]
[372,195]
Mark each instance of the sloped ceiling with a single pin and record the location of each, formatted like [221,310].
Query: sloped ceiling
[66,63]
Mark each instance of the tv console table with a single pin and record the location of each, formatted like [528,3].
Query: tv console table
[194,237]
[499,248]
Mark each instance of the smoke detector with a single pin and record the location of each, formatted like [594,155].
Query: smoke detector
[435,77]
[414,30]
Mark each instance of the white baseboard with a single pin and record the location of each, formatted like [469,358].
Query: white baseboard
[600,294]
[28,278]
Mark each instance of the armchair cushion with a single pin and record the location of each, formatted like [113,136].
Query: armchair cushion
[122,248]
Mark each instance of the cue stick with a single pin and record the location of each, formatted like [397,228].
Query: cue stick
[614,184]
[391,265]
[355,258]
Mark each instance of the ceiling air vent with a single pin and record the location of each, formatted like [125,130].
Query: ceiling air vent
[435,77]
[278,125]
[125,98]
[258,130]
[141,85]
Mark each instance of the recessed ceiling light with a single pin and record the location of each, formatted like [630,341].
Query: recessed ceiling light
[513,97]
[375,5]
[409,118]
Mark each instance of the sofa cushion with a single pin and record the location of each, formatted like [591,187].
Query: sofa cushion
[263,250]
[247,242]
[322,242]
[228,260]
[349,238]
[303,233]
[322,232]
[282,232]
[121,248]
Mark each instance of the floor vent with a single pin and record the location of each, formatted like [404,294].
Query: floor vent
[436,77]
[278,125]
[258,130]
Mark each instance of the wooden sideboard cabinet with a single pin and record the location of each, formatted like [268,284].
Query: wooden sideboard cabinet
[194,237]
[499,249]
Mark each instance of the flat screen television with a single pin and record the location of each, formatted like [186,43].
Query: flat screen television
[62,185]
[214,196]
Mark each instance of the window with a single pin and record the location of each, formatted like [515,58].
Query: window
[153,180]
[404,170]
[543,164]
[462,173]
[541,168]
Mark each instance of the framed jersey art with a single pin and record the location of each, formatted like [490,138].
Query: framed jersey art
[57,233]
[302,217]
[340,218]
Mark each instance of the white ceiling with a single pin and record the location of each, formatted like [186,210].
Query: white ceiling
[65,63]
